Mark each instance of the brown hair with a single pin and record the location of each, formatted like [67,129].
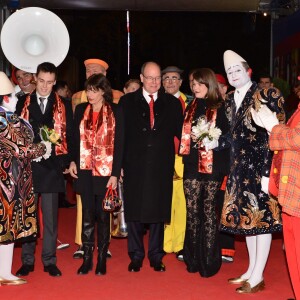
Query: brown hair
[127,83]
[207,77]
[98,82]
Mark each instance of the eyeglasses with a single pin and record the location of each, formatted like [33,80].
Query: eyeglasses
[150,78]
[173,79]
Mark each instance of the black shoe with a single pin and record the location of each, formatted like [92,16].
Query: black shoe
[158,267]
[78,254]
[86,266]
[66,204]
[25,270]
[134,266]
[52,270]
[179,255]
[101,267]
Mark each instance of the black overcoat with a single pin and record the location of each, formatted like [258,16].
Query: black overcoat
[149,156]
[48,174]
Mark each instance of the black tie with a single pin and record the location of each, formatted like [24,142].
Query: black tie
[42,106]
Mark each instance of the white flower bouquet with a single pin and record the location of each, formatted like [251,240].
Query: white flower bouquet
[204,131]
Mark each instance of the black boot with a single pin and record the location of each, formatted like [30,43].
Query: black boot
[87,264]
[101,264]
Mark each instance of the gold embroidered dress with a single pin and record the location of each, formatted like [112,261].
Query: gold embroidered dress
[247,209]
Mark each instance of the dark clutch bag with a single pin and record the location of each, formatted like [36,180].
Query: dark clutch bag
[111,201]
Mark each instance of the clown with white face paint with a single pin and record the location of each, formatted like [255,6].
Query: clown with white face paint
[10,102]
[248,209]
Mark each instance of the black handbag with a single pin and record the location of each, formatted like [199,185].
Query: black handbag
[111,201]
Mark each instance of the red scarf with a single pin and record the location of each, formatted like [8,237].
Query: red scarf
[60,124]
[97,141]
[205,158]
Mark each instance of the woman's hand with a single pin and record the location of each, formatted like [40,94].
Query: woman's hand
[112,181]
[121,176]
[73,169]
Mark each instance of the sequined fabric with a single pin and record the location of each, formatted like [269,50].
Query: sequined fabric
[247,209]
[17,207]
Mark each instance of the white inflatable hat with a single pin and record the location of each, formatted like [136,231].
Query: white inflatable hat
[6,86]
[231,58]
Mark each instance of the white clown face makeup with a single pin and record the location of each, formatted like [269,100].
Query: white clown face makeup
[10,102]
[237,76]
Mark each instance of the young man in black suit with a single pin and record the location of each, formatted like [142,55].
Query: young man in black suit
[43,107]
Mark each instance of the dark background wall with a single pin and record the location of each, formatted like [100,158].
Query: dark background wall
[186,39]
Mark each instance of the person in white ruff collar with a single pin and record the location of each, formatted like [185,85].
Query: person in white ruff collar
[248,208]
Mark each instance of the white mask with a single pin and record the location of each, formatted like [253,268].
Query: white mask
[10,102]
[237,76]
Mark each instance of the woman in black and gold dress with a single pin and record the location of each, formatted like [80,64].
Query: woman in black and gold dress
[204,172]
[17,209]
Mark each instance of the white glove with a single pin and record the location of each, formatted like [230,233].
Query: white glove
[265,184]
[48,149]
[265,118]
[209,145]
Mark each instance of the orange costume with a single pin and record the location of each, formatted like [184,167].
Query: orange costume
[284,180]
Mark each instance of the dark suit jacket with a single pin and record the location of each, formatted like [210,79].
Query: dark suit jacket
[47,174]
[149,156]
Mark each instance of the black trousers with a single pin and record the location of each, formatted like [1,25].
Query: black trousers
[135,239]
[49,205]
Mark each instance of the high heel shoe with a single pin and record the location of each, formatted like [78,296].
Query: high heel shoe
[18,281]
[237,280]
[246,288]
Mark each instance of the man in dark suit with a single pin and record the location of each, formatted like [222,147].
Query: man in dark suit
[43,107]
[152,119]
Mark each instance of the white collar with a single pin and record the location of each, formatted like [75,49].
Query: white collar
[147,97]
[243,90]
[177,95]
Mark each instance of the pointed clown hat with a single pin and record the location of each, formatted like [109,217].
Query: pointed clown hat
[6,86]
[231,58]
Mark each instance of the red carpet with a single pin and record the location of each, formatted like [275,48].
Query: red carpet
[118,283]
